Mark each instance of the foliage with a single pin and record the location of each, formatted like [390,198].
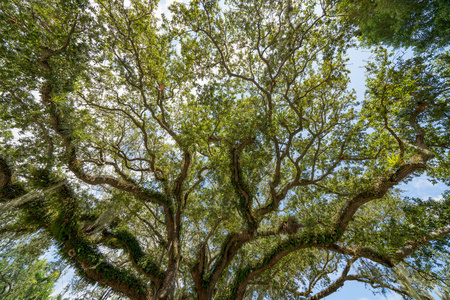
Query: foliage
[218,153]
[23,275]
[422,25]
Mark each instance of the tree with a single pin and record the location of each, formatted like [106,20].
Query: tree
[23,275]
[217,154]
[418,24]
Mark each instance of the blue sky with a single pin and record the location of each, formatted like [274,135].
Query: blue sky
[357,291]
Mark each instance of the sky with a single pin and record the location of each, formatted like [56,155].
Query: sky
[419,187]
[357,291]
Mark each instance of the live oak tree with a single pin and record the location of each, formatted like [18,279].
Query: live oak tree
[22,274]
[422,25]
[219,153]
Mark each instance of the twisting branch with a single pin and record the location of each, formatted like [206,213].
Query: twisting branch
[305,240]
[229,249]
[182,176]
[140,125]
[73,163]
[75,166]
[338,283]
[198,269]
[382,185]
[361,252]
[141,261]
[191,188]
[401,144]
[245,197]
[161,239]
[379,189]
[43,60]
[278,196]
[413,246]
[399,255]
[7,289]
[87,258]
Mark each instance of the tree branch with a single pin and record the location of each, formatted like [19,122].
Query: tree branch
[245,197]
[338,283]
[5,173]
[141,261]
[412,246]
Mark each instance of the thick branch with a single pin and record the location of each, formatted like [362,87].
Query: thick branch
[141,261]
[229,249]
[30,196]
[182,176]
[245,197]
[5,173]
[125,185]
[64,228]
[245,275]
[198,269]
[389,260]
[362,252]
[380,189]
[412,246]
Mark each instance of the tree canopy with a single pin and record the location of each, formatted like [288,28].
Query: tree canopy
[422,25]
[22,274]
[219,153]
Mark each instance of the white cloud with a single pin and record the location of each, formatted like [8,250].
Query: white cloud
[420,183]
[438,198]
[391,296]
[421,187]
[163,8]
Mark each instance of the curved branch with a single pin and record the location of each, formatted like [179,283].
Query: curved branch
[362,252]
[412,246]
[390,261]
[245,197]
[141,261]
[30,196]
[230,247]
[75,246]
[380,188]
[182,176]
[338,283]
[307,240]
[74,164]
[8,288]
